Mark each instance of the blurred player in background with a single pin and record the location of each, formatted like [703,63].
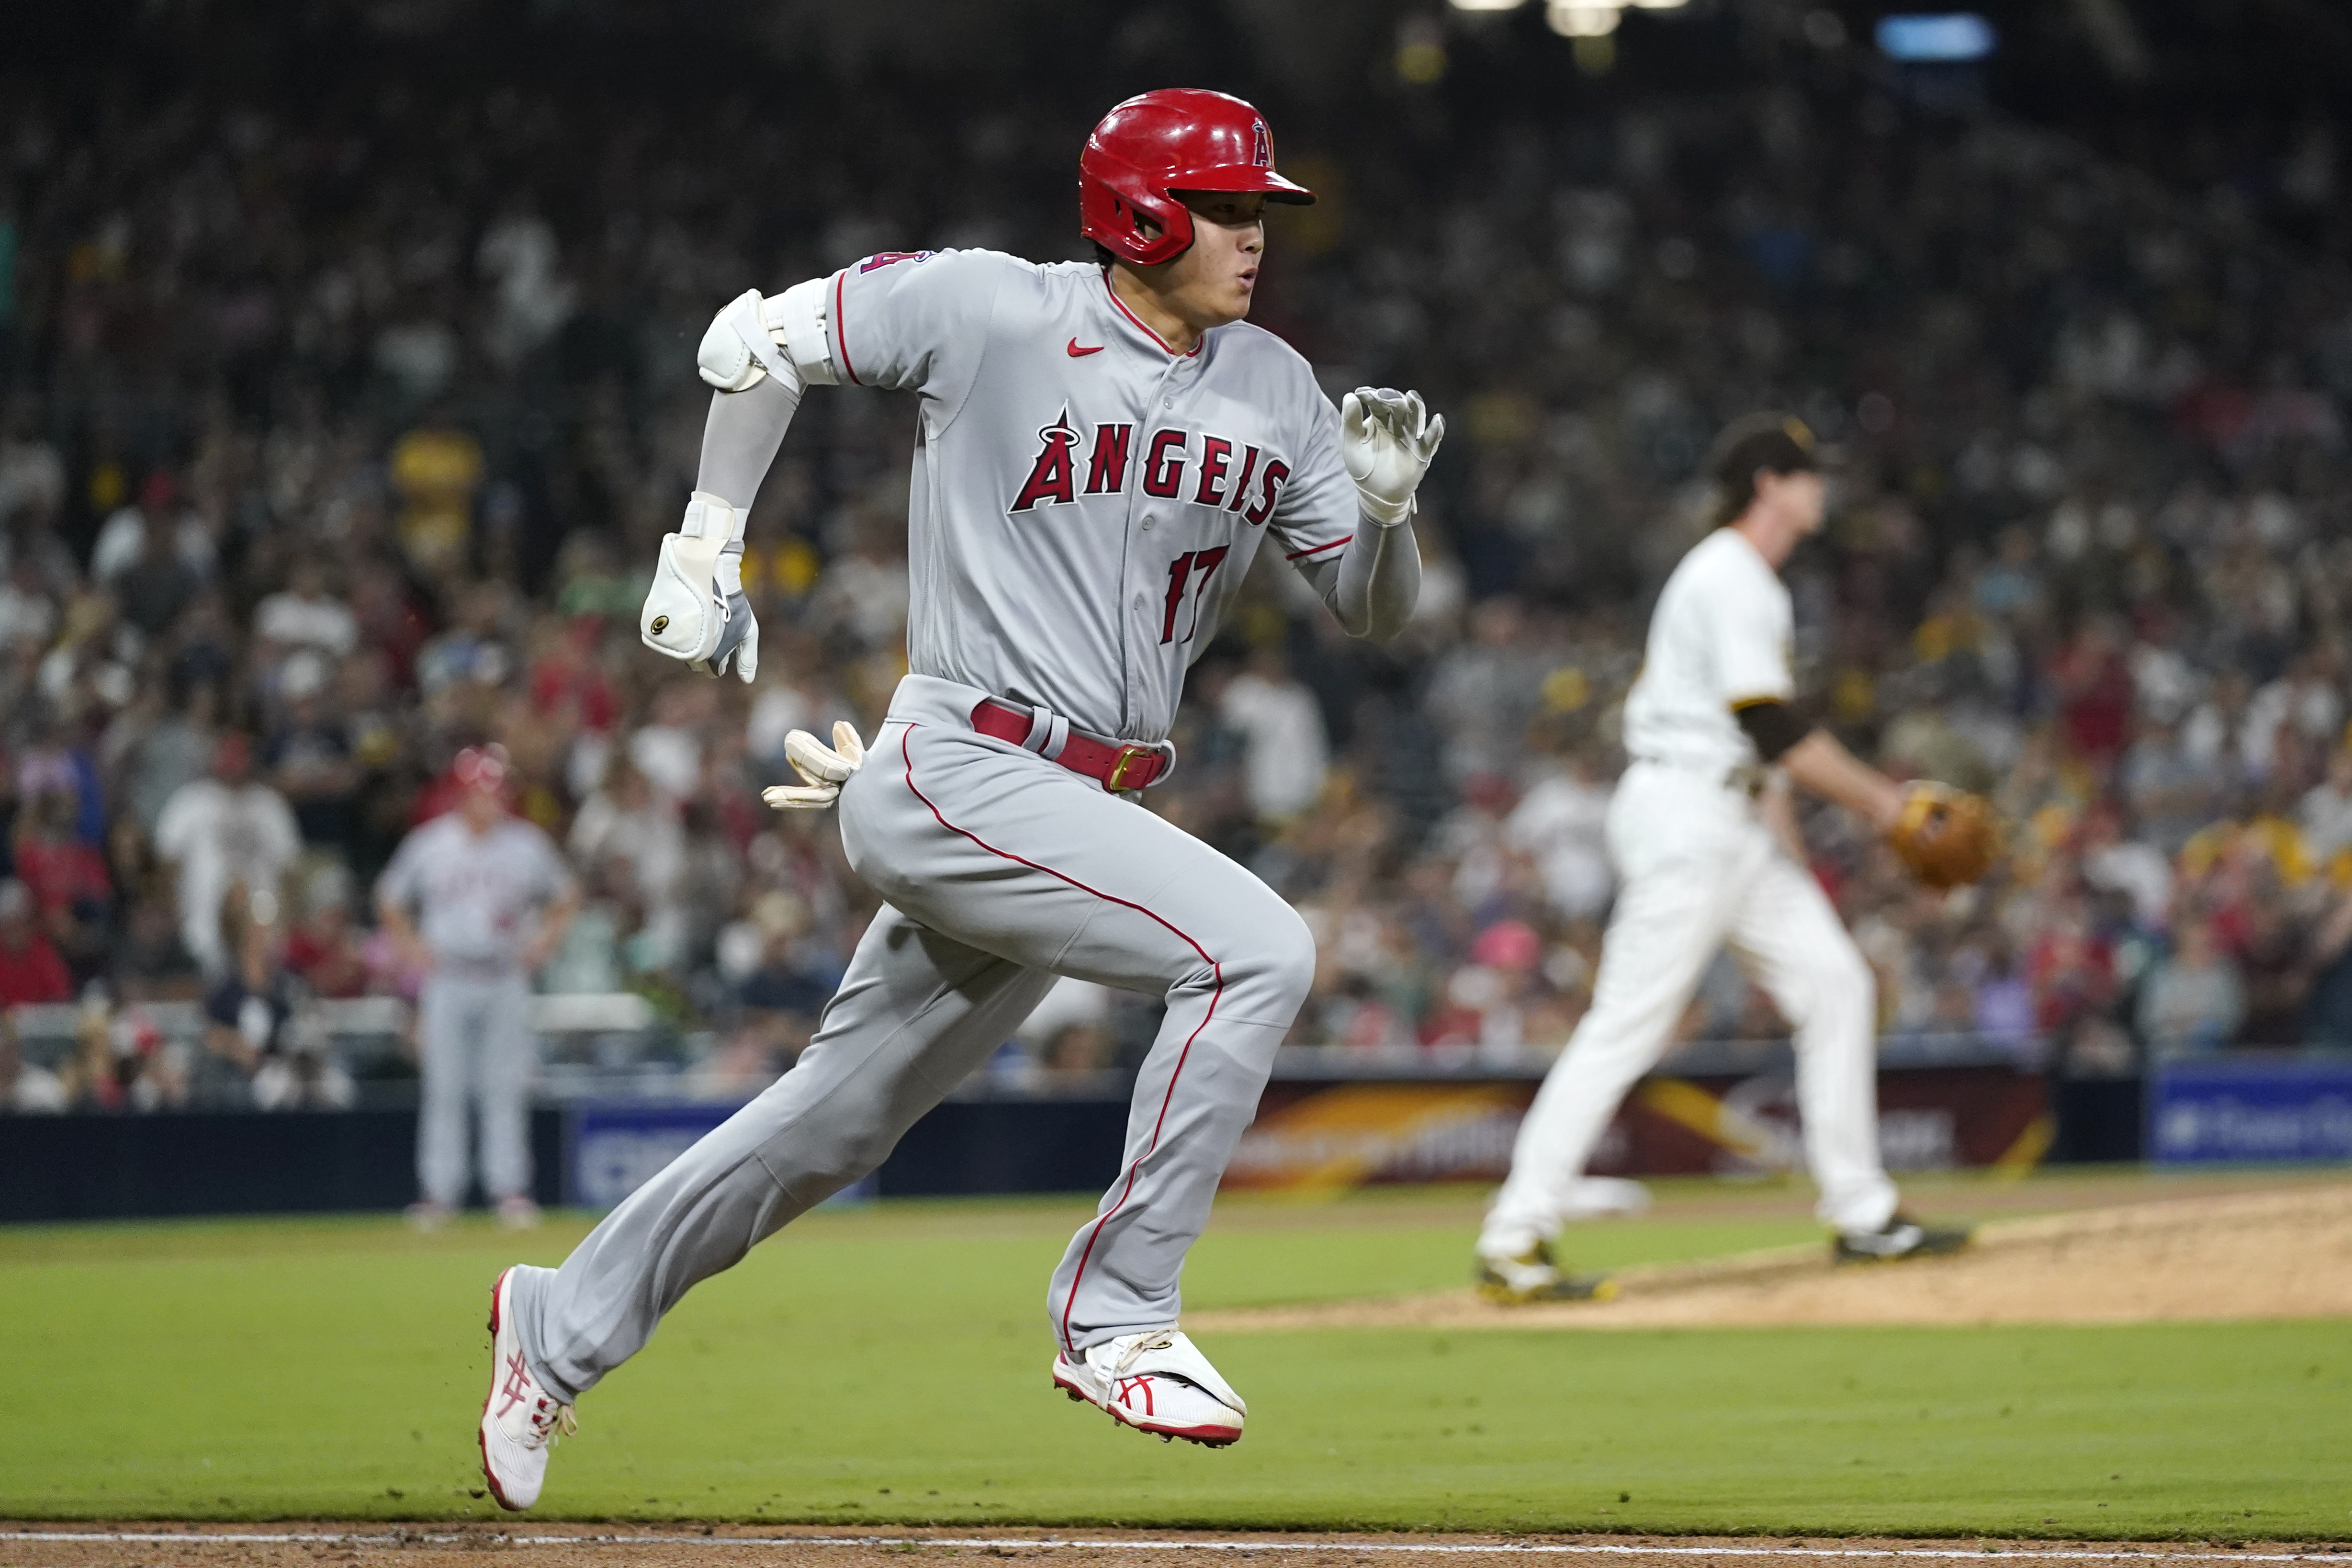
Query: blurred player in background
[1704,839]
[490,897]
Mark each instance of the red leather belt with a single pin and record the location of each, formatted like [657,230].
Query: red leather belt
[1116,764]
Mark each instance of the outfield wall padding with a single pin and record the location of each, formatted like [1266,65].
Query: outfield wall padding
[218,1162]
[225,1161]
[591,1155]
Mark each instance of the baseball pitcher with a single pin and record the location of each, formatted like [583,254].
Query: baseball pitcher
[1708,856]
[1102,447]
[490,897]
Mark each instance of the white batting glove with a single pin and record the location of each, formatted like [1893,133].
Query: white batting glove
[739,638]
[826,768]
[695,612]
[1387,438]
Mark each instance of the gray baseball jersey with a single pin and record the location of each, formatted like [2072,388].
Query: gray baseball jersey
[1085,501]
[476,895]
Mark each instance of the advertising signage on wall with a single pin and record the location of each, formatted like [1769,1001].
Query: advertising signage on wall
[1313,1136]
[2251,1109]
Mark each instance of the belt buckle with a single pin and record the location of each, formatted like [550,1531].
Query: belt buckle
[1129,756]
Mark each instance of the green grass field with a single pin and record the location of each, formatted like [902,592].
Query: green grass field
[888,1365]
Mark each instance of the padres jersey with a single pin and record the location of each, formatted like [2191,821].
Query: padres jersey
[1719,638]
[476,896]
[1086,500]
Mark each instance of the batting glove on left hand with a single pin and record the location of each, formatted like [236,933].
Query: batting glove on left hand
[695,612]
[826,768]
[1387,438]
[739,638]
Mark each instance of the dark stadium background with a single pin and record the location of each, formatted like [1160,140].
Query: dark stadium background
[383,315]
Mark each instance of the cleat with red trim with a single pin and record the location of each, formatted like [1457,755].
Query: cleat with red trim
[1156,1383]
[520,1420]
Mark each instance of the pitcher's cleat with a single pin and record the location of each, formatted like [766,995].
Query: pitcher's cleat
[520,1420]
[1156,1383]
[1900,1237]
[1532,1277]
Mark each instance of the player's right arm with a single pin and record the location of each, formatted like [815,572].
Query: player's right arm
[1819,761]
[1749,635]
[912,320]
[395,890]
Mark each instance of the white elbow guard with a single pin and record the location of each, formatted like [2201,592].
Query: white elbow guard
[783,335]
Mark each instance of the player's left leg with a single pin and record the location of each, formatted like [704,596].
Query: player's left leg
[506,1053]
[915,1014]
[445,1090]
[916,1011]
[1686,855]
[1793,942]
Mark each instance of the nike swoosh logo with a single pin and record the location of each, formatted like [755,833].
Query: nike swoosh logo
[1077,353]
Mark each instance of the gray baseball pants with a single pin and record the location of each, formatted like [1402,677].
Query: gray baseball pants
[475,1037]
[1002,871]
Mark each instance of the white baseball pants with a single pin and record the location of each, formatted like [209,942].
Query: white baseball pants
[1002,871]
[1700,870]
[478,1052]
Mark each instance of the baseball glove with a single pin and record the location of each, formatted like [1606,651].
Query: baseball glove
[1947,837]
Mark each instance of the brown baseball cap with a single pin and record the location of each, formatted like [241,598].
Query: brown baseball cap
[1781,442]
[1778,443]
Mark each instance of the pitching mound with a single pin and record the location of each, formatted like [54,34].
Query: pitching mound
[2256,1255]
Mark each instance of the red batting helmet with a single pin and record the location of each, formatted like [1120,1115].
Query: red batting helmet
[1152,146]
[482,768]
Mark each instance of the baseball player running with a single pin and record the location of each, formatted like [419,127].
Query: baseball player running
[1703,861]
[1102,449]
[493,898]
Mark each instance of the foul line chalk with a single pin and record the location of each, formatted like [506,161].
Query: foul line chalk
[1045,1543]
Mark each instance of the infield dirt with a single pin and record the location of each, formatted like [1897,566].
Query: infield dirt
[2239,1255]
[373,1546]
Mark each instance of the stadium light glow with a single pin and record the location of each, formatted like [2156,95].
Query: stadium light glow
[1489,4]
[1936,37]
[1582,18]
[1657,4]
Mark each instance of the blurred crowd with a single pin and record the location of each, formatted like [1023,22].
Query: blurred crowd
[338,433]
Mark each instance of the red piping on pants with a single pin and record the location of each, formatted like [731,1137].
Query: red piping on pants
[1215,969]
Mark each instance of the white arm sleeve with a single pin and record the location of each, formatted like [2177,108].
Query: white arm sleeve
[1372,586]
[741,439]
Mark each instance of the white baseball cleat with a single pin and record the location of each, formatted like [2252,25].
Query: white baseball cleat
[520,1420]
[1157,1383]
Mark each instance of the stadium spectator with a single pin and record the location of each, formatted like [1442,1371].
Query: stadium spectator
[30,969]
[1285,754]
[323,951]
[221,834]
[2093,549]
[2192,1002]
[307,756]
[2326,812]
[303,615]
[28,1088]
